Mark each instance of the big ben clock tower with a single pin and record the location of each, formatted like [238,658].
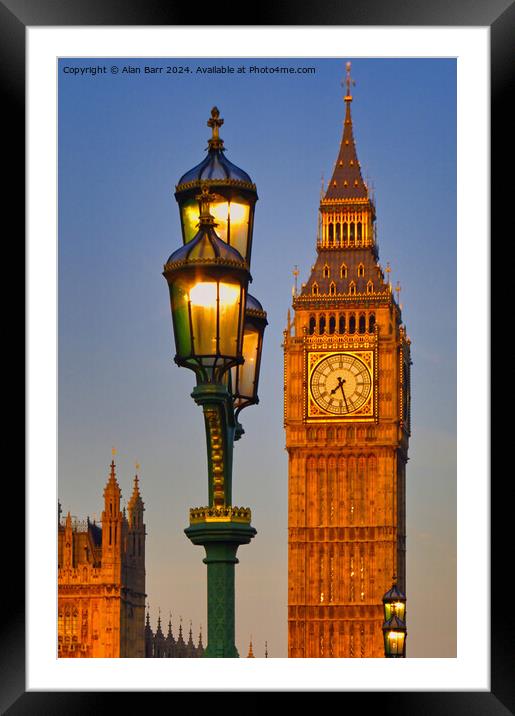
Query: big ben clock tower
[347,421]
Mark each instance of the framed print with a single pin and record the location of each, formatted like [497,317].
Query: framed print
[77,37]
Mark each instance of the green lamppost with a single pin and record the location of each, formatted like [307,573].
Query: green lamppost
[394,627]
[218,331]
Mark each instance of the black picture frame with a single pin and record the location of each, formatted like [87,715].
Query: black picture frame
[499,16]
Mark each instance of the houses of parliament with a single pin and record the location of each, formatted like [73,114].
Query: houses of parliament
[101,586]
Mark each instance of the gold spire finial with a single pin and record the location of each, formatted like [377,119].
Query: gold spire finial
[215,123]
[137,465]
[348,81]
[113,452]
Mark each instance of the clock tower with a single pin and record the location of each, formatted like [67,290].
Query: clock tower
[347,421]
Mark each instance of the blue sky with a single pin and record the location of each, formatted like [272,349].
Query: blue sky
[124,140]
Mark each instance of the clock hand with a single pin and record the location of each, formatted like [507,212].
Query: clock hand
[341,386]
[338,386]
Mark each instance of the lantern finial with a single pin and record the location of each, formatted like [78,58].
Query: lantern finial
[215,123]
[205,198]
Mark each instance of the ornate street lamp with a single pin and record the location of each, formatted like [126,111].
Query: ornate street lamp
[234,199]
[394,627]
[214,322]
[244,378]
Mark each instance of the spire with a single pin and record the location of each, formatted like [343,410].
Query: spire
[180,637]
[136,504]
[112,494]
[159,630]
[347,182]
[250,655]
[266,650]
[200,645]
[170,633]
[112,474]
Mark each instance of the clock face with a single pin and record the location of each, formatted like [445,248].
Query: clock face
[340,384]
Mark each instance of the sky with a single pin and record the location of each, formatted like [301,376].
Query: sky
[124,140]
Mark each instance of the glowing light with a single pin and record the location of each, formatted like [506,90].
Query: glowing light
[238,212]
[224,210]
[229,294]
[219,211]
[205,294]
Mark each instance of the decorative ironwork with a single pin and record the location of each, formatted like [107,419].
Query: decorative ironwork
[229,513]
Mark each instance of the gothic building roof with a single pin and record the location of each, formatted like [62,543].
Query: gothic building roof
[159,646]
[346,181]
[342,268]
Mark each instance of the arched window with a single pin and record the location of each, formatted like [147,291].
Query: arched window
[359,233]
[362,324]
[338,231]
[321,324]
[343,271]
[345,233]
[312,324]
[326,271]
[361,270]
[351,233]
[314,289]
[341,323]
[352,288]
[332,324]
[331,233]
[332,289]
[352,323]
[371,322]
[370,287]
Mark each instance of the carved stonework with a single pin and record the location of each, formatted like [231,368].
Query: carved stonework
[346,462]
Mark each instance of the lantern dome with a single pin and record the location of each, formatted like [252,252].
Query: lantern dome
[206,247]
[215,167]
[394,594]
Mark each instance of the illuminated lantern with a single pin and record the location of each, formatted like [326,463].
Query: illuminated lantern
[394,627]
[208,282]
[234,195]
[245,377]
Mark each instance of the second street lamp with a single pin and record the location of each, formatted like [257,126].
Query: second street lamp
[214,322]
[244,378]
[394,627]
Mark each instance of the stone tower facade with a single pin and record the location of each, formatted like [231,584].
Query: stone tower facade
[101,580]
[347,422]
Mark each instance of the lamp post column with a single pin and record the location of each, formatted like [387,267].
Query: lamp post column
[219,528]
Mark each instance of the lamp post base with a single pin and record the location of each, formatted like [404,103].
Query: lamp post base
[221,540]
